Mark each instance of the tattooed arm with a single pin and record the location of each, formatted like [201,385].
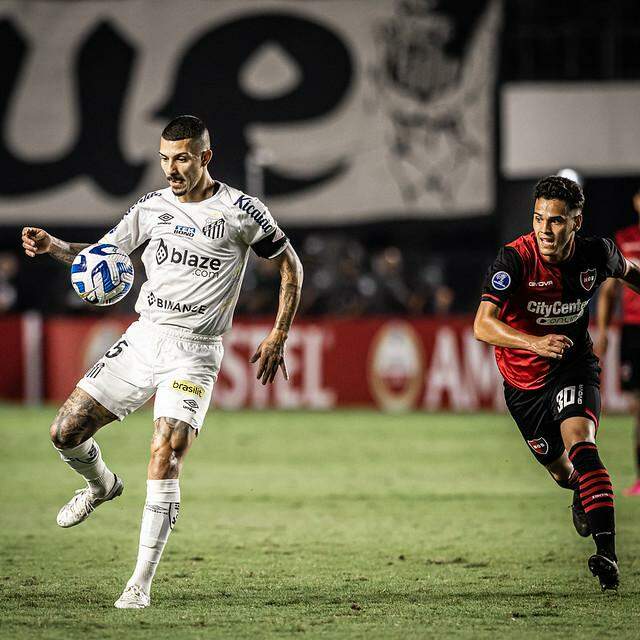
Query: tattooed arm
[270,353]
[35,241]
[65,251]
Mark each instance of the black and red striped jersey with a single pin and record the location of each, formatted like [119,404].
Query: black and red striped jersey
[538,298]
[628,241]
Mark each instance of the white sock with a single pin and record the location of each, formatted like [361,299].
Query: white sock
[160,514]
[87,460]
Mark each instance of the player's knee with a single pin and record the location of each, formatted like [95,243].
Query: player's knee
[578,429]
[68,431]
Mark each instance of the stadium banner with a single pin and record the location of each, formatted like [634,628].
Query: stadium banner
[392,364]
[334,111]
[591,127]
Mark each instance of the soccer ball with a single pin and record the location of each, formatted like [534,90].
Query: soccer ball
[102,274]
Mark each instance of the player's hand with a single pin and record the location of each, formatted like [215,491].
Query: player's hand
[551,346]
[601,345]
[270,357]
[35,241]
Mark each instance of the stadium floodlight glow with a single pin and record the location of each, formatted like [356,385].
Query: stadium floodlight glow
[572,174]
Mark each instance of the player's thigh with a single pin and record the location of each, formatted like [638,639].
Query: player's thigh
[185,387]
[534,418]
[78,419]
[575,402]
[122,380]
[576,406]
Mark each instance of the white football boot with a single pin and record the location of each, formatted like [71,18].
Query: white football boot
[133,597]
[80,507]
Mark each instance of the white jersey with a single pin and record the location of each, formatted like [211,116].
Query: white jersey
[197,254]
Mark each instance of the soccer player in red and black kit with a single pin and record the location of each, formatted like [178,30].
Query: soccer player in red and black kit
[534,310]
[628,241]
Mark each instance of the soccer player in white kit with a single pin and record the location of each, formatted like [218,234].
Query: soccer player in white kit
[199,232]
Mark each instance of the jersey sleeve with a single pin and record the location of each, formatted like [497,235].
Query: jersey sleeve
[615,264]
[258,228]
[130,232]
[619,237]
[503,277]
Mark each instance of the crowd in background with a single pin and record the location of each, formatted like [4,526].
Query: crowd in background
[343,277]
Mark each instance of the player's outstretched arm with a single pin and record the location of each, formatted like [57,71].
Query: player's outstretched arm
[488,328]
[270,353]
[631,276]
[36,241]
[604,311]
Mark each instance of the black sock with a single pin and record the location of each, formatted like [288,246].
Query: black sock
[596,494]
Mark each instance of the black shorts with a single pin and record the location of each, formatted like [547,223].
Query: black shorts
[630,357]
[538,413]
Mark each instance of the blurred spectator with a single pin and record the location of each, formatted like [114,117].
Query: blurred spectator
[259,294]
[393,294]
[8,291]
[432,295]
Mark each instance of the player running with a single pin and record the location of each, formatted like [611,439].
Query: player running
[199,232]
[628,241]
[534,310]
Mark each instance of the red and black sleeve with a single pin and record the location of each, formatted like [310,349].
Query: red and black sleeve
[615,265]
[503,277]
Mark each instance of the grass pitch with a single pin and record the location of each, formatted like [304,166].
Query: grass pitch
[337,525]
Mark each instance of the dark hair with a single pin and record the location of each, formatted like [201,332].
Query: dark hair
[559,188]
[186,127]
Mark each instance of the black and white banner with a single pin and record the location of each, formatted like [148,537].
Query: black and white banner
[335,111]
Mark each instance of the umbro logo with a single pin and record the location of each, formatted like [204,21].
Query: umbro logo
[190,405]
[165,218]
[151,299]
[214,229]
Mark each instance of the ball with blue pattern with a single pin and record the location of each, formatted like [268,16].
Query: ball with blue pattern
[102,274]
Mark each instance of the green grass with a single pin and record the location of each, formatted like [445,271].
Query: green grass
[337,525]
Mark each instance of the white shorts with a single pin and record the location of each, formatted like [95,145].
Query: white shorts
[178,366]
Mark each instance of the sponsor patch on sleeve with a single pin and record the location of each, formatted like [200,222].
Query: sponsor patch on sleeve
[501,280]
[188,387]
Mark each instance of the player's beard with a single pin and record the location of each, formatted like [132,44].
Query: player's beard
[179,189]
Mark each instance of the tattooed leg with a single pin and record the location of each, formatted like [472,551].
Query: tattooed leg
[170,443]
[78,419]
[72,435]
